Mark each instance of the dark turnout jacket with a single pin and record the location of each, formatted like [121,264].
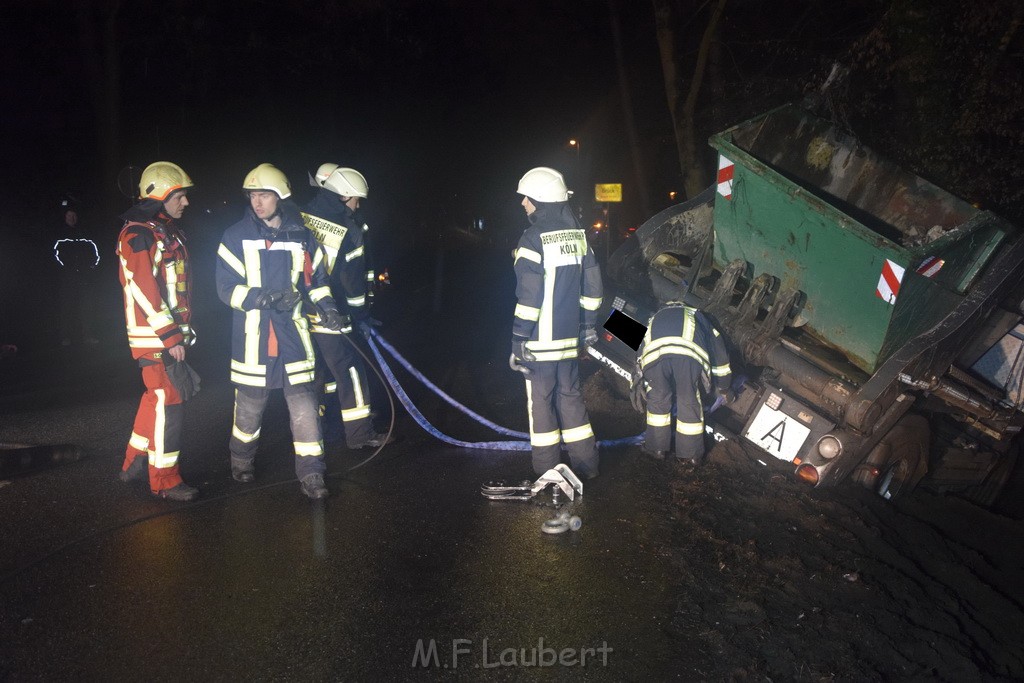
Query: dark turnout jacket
[558,283]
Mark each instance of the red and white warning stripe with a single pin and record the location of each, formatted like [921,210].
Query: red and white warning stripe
[930,266]
[889,282]
[725,170]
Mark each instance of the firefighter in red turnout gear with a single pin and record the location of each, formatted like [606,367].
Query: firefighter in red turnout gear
[558,287]
[330,216]
[157,286]
[268,263]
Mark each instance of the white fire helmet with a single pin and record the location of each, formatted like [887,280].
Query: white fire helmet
[323,173]
[347,182]
[544,184]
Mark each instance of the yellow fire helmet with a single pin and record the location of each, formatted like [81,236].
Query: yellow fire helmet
[160,179]
[269,178]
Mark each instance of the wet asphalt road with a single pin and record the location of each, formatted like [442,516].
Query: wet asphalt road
[98,580]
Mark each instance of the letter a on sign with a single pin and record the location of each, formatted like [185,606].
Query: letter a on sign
[776,433]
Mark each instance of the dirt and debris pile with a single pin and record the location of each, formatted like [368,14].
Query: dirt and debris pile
[781,581]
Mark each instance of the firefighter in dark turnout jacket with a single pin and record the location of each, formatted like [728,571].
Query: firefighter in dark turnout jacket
[330,216]
[682,353]
[267,263]
[157,286]
[558,287]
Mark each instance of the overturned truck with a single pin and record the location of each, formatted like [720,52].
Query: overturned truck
[875,317]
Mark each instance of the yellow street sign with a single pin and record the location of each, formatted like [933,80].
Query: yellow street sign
[608,192]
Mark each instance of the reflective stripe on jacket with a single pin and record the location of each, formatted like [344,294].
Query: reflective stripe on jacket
[156,284]
[558,284]
[270,346]
[685,331]
[334,226]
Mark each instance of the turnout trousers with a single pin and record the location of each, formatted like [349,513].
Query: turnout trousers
[679,377]
[156,433]
[557,415]
[250,403]
[349,386]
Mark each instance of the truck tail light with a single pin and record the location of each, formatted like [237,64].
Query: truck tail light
[808,473]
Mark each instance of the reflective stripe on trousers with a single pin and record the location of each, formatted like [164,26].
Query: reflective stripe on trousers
[680,376]
[558,414]
[157,429]
[250,403]
[353,391]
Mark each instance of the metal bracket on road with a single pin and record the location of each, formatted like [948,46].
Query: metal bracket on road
[563,479]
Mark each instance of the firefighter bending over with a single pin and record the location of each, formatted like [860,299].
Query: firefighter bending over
[157,289]
[558,287]
[267,263]
[682,353]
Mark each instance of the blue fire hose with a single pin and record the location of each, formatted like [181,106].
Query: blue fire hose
[374,338]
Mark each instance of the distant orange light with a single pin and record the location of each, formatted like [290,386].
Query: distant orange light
[672,195]
[598,225]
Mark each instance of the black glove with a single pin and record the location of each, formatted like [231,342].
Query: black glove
[278,300]
[588,336]
[727,394]
[333,320]
[638,392]
[519,350]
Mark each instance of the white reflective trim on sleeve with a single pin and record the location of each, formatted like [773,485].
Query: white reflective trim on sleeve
[318,293]
[355,253]
[527,313]
[356,301]
[238,295]
[528,254]
[721,370]
[231,260]
[590,303]
[138,442]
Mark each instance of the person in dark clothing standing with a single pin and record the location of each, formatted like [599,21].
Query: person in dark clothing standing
[77,258]
[268,263]
[558,287]
[330,216]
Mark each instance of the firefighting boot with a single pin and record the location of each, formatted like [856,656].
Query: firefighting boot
[137,471]
[242,470]
[313,486]
[182,493]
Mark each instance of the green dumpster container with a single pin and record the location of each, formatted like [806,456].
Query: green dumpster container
[881,254]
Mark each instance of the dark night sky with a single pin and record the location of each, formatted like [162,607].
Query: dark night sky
[441,104]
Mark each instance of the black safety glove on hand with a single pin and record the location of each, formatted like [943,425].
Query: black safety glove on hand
[519,354]
[727,394]
[277,299]
[333,320]
[588,335]
[520,351]
[638,392]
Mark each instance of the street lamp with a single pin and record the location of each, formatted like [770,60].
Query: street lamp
[573,142]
